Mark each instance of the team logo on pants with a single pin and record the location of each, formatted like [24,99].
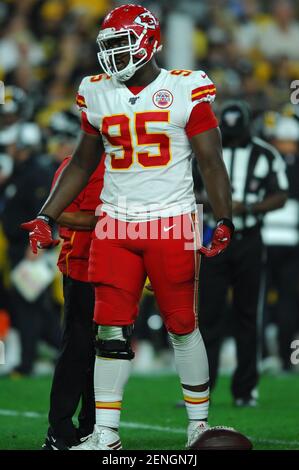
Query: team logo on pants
[162,99]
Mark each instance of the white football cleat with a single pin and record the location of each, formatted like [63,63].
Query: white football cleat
[102,439]
[195,429]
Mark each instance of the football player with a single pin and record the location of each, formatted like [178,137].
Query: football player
[148,120]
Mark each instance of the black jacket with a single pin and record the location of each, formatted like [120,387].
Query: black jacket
[23,195]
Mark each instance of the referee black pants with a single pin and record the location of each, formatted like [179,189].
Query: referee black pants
[73,376]
[239,267]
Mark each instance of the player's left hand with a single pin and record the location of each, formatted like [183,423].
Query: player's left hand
[221,238]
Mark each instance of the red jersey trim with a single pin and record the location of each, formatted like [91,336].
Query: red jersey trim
[86,126]
[80,100]
[202,118]
[135,89]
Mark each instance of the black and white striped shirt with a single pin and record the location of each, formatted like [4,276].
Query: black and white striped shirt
[255,171]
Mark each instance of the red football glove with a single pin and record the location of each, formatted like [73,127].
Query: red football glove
[40,233]
[221,238]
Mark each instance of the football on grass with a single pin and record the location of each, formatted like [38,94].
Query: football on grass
[221,438]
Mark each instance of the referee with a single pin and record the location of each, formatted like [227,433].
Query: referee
[259,185]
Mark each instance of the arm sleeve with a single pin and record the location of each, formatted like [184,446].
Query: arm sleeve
[202,118]
[200,92]
[86,126]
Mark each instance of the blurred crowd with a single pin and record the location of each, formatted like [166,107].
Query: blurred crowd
[248,47]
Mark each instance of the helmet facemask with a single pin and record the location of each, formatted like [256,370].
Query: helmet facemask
[108,56]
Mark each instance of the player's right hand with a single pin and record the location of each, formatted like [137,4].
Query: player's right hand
[40,233]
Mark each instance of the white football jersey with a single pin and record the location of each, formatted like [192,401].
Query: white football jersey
[148,155]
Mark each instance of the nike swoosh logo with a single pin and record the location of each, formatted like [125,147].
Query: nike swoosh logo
[203,75]
[166,229]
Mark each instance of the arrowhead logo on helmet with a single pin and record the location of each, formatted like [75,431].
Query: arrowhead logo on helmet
[147,20]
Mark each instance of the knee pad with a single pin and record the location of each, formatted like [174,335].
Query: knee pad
[114,342]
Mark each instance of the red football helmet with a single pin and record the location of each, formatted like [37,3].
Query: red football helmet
[138,31]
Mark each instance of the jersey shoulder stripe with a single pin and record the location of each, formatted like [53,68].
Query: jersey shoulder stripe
[80,101]
[202,87]
[203,92]
[198,85]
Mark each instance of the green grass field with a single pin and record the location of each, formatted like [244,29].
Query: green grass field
[150,418]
